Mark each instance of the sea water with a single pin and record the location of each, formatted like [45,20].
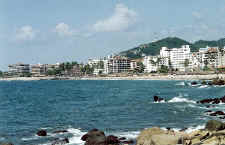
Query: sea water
[119,107]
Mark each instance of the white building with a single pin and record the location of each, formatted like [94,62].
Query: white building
[117,64]
[176,58]
[151,64]
[19,69]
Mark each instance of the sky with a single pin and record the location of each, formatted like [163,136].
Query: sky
[51,31]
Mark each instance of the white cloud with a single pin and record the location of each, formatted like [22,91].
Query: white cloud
[25,33]
[63,29]
[121,19]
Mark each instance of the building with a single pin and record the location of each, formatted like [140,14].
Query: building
[98,65]
[176,58]
[38,70]
[117,64]
[151,64]
[19,69]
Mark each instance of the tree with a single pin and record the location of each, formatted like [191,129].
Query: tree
[164,69]
[141,67]
[206,65]
[1,74]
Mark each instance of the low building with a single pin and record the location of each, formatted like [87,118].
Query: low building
[38,69]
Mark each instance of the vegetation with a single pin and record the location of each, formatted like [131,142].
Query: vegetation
[170,42]
[141,67]
[1,74]
[87,69]
[164,69]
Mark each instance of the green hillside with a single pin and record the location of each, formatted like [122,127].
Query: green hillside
[170,42]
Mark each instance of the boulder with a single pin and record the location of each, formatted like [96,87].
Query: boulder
[218,82]
[194,83]
[158,99]
[217,113]
[8,143]
[42,133]
[214,125]
[112,140]
[157,136]
[94,137]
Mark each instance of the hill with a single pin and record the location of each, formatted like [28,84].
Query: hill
[153,48]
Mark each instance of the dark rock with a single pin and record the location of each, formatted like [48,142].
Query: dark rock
[94,137]
[214,125]
[42,133]
[158,99]
[205,136]
[217,113]
[9,143]
[61,141]
[204,83]
[122,138]
[60,131]
[208,111]
[128,142]
[212,100]
[194,83]
[112,140]
[218,82]
[222,117]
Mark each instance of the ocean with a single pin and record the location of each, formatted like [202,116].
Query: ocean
[119,107]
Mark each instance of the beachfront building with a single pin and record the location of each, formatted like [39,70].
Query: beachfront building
[38,70]
[18,69]
[151,64]
[98,65]
[176,58]
[117,64]
[220,61]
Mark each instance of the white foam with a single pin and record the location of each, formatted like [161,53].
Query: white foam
[188,130]
[180,84]
[204,86]
[77,134]
[30,138]
[180,99]
[128,135]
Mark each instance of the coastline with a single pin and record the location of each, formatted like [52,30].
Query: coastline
[144,77]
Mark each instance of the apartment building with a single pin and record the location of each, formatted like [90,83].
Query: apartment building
[117,64]
[176,58]
[19,69]
[38,69]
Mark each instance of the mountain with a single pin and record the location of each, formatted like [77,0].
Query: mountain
[153,48]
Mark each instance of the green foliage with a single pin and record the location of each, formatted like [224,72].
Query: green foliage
[164,69]
[141,67]
[87,69]
[170,42]
[1,74]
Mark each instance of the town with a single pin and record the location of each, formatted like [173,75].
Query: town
[170,60]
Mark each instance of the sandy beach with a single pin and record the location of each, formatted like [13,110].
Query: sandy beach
[143,77]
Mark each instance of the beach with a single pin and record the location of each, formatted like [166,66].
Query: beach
[135,77]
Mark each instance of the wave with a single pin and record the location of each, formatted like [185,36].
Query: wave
[188,130]
[180,84]
[180,99]
[204,86]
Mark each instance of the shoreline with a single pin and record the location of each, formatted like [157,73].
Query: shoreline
[144,77]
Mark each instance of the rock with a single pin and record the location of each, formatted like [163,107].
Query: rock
[122,138]
[217,113]
[42,133]
[158,99]
[60,131]
[212,100]
[204,83]
[218,82]
[214,125]
[94,137]
[9,143]
[128,142]
[61,141]
[194,83]
[157,136]
[112,140]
